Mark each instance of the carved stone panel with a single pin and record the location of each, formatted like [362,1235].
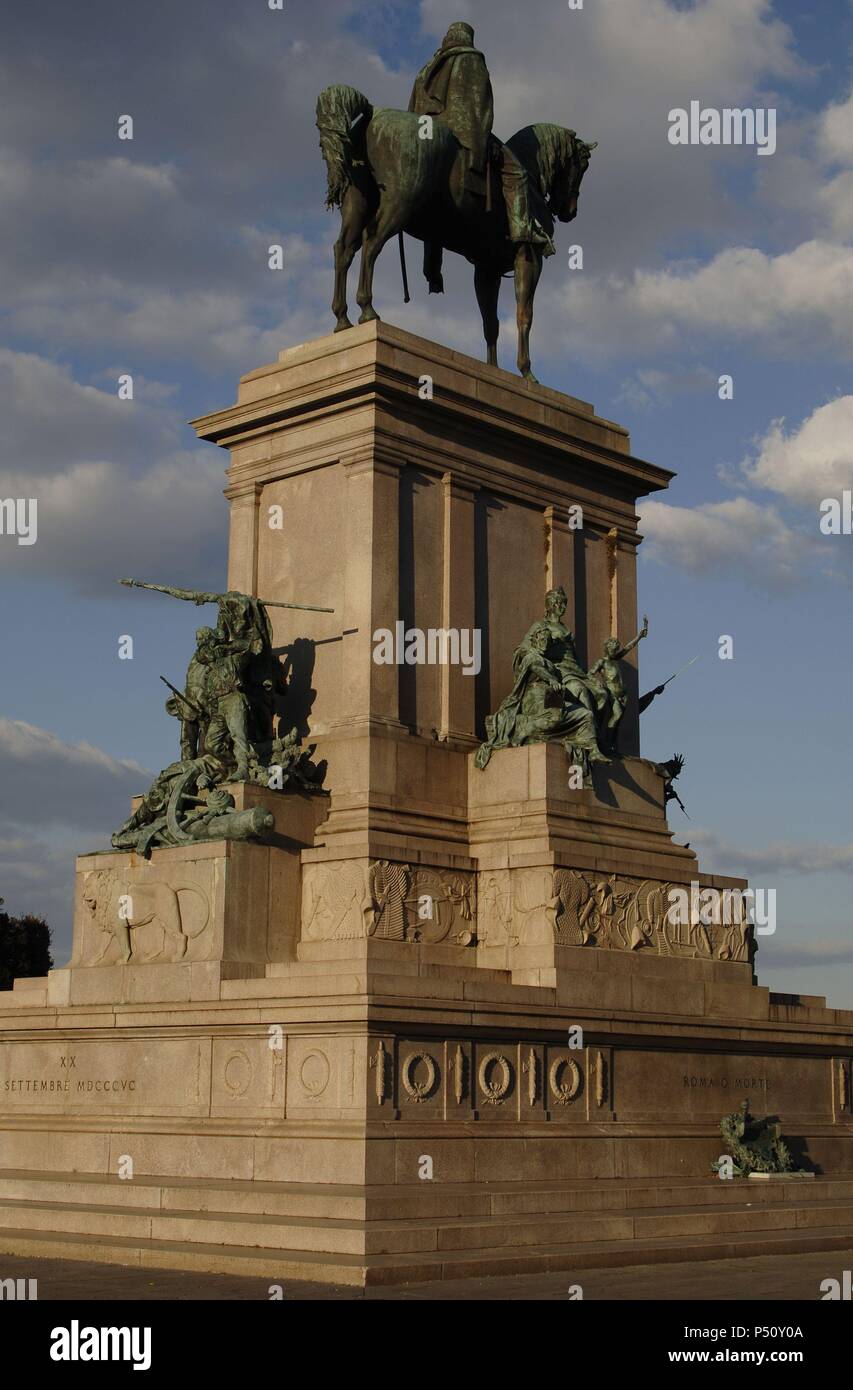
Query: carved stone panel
[391,901]
[535,903]
[327,1076]
[140,913]
[631,914]
[248,1076]
[564,1084]
[495,1081]
[336,902]
[440,906]
[497,925]
[421,1080]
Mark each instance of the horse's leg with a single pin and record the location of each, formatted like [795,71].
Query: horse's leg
[487,283]
[386,225]
[353,217]
[528,268]
[433,255]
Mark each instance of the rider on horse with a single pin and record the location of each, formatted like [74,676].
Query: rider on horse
[454,87]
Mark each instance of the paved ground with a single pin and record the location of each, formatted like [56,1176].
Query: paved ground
[796,1277]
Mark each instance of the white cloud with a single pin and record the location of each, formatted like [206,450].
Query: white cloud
[179,320]
[51,420]
[48,782]
[150,235]
[59,800]
[810,462]
[729,538]
[778,858]
[97,520]
[837,199]
[835,135]
[818,953]
[741,537]
[114,490]
[733,44]
[653,386]
[788,302]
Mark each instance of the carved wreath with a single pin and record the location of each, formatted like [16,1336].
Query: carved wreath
[419,1090]
[564,1092]
[494,1092]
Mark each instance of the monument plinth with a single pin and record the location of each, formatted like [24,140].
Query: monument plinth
[439,1021]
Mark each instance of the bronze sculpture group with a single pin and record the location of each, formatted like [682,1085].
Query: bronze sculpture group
[554,698]
[438,173]
[229,712]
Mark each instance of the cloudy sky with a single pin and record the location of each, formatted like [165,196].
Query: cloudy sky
[149,257]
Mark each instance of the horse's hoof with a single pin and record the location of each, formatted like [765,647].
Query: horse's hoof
[342,324]
[528,376]
[368,316]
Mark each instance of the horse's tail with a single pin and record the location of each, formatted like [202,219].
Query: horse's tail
[343,115]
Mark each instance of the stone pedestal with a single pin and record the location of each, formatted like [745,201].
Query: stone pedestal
[444,1024]
[397,481]
[175,925]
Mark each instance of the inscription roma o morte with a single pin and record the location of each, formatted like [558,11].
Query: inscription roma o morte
[740,1083]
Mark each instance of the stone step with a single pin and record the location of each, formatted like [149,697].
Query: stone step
[399,1202]
[30,998]
[377,964]
[359,980]
[426,1232]
[204,1228]
[281,1264]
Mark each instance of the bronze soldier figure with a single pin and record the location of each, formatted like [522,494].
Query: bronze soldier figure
[192,710]
[226,664]
[455,87]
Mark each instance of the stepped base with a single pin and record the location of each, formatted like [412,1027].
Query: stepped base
[509,1228]
[373,1115]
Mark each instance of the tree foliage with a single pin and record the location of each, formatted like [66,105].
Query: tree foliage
[24,947]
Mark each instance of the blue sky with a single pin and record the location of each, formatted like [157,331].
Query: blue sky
[149,257]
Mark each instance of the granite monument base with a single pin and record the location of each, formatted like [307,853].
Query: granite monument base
[444,1023]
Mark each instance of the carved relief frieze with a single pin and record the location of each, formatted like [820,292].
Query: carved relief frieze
[133,915]
[388,900]
[620,913]
[497,924]
[336,902]
[535,903]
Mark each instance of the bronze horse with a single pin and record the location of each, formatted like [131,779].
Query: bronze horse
[391,172]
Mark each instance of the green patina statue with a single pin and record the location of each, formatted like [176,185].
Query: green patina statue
[184,805]
[231,731]
[756,1146]
[607,673]
[553,697]
[437,172]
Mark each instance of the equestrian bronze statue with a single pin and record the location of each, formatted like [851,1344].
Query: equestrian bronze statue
[437,172]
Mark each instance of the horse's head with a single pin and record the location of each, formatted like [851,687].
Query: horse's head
[564,196]
[556,160]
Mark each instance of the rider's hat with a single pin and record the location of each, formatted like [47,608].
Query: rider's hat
[458,33]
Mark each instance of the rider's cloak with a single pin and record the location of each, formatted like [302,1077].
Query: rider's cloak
[455,85]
